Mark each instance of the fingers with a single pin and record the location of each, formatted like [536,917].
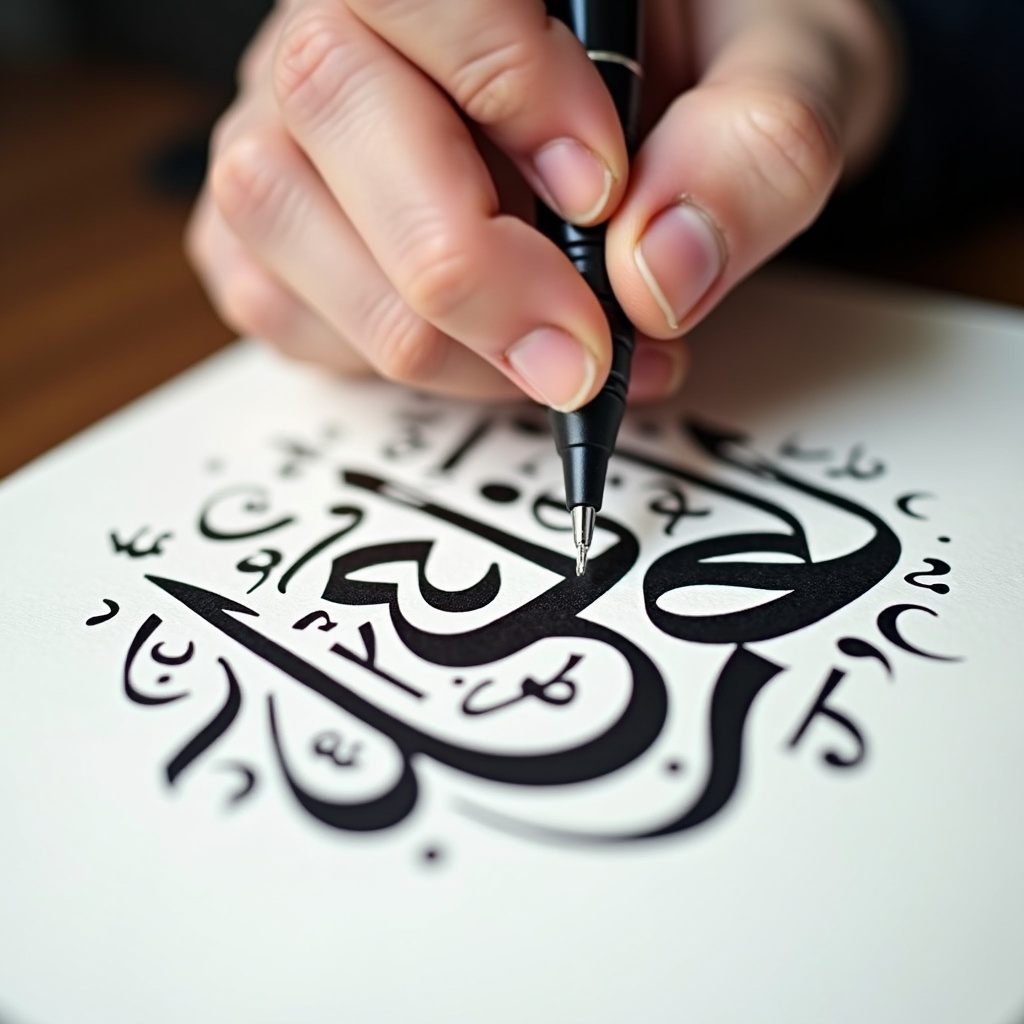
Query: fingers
[527,80]
[735,169]
[280,211]
[659,369]
[422,203]
[254,303]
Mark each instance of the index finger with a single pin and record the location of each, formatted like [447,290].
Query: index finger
[526,80]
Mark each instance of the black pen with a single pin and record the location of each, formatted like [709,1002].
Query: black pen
[611,32]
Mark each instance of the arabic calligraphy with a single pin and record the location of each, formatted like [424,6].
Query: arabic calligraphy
[439,624]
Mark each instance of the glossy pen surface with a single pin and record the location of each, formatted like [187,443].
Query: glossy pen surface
[611,32]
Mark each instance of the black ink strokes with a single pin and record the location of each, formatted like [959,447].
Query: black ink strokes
[821,707]
[157,654]
[673,504]
[889,627]
[793,449]
[465,446]
[212,731]
[552,614]
[262,564]
[355,517]
[853,647]
[906,502]
[249,780]
[742,678]
[549,512]
[369,661]
[500,494]
[113,608]
[331,745]
[413,434]
[857,466]
[810,591]
[342,590]
[132,691]
[556,691]
[938,568]
[528,426]
[136,547]
[326,622]
[265,561]
[371,814]
[297,456]
[240,513]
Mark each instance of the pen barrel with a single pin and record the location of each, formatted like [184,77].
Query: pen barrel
[591,431]
[611,32]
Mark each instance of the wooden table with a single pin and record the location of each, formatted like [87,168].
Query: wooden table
[97,304]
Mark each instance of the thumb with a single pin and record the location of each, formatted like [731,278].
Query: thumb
[737,167]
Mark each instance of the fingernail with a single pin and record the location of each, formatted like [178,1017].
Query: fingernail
[555,365]
[679,256]
[657,372]
[577,180]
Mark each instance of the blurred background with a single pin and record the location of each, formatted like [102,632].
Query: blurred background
[105,106]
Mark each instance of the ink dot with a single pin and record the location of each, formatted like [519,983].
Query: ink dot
[431,855]
[615,481]
[674,767]
[943,540]
[503,494]
[529,469]
[164,679]
[458,681]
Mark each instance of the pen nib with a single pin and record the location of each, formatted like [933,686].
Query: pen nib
[581,559]
[582,534]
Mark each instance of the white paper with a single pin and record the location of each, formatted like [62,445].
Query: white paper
[626,798]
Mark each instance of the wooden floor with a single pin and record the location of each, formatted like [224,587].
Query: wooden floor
[97,304]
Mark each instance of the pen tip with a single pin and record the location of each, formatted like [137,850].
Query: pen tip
[583,517]
[581,559]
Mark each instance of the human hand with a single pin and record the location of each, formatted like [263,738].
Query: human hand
[370,190]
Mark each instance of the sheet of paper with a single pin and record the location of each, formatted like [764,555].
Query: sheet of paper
[306,717]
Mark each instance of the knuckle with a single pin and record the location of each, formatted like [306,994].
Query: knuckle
[316,64]
[493,86]
[436,277]
[245,178]
[405,347]
[794,148]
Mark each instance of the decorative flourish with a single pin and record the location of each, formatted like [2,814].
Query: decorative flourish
[113,608]
[133,546]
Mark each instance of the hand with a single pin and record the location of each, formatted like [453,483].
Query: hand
[370,190]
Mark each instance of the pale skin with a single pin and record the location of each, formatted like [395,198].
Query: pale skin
[368,201]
